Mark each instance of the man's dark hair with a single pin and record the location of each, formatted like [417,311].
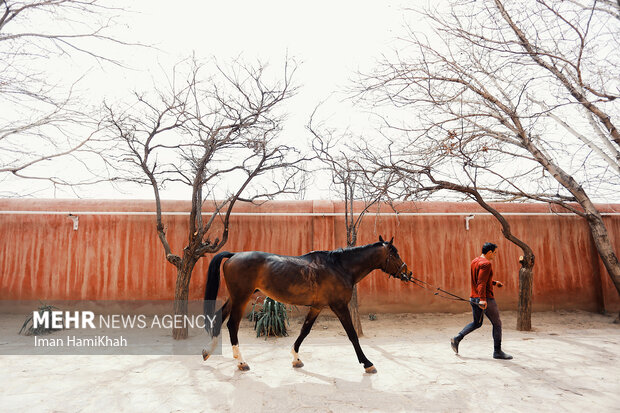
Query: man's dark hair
[488,246]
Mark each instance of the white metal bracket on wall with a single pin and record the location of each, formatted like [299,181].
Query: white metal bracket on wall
[76,221]
[467,219]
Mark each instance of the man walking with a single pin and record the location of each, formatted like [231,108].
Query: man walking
[483,301]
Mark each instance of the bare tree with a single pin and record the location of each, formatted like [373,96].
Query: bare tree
[522,99]
[44,121]
[412,176]
[216,134]
[611,7]
[526,272]
[350,182]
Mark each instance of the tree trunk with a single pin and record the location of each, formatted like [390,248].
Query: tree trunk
[524,316]
[355,314]
[604,247]
[592,215]
[181,294]
[605,250]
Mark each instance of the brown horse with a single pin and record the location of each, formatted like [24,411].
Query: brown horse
[317,279]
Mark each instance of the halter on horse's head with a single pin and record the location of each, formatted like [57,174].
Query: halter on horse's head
[393,264]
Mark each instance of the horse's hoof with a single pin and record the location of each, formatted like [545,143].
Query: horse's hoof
[205,355]
[371,370]
[298,363]
[243,366]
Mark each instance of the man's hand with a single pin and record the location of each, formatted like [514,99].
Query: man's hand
[482,304]
[499,284]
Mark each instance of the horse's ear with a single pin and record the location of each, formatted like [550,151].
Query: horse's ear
[381,238]
[391,241]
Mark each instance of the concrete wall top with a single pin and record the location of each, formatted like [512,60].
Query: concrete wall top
[318,206]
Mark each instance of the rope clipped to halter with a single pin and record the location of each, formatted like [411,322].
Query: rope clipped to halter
[438,291]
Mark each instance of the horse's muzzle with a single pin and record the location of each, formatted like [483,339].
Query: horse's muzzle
[403,272]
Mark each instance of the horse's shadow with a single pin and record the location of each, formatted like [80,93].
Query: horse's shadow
[305,390]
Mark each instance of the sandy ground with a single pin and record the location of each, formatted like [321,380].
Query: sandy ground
[569,363]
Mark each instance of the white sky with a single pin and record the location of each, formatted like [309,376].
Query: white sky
[329,39]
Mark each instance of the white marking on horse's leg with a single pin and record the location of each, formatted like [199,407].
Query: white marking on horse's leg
[241,364]
[296,361]
[236,352]
[206,353]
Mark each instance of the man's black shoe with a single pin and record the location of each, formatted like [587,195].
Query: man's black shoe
[499,354]
[454,343]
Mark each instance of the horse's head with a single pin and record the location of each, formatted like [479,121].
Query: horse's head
[393,264]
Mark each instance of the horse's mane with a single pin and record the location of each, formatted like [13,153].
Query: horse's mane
[348,250]
[335,255]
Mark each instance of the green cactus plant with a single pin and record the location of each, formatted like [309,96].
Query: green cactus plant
[271,319]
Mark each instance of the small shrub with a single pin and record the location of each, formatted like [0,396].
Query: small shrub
[40,330]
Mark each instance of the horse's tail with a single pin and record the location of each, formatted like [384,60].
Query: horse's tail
[212,287]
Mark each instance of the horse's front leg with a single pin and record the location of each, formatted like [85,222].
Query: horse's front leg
[342,311]
[305,329]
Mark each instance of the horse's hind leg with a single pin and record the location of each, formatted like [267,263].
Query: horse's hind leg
[342,311]
[236,312]
[305,329]
[215,337]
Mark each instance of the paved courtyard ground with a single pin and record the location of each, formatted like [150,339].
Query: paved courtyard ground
[570,362]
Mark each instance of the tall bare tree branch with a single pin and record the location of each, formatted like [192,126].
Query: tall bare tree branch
[45,123]
[215,129]
[498,93]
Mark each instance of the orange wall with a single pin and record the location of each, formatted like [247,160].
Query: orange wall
[118,256]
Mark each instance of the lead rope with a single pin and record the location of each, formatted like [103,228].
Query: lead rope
[438,291]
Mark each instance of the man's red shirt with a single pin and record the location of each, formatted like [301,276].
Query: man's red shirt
[481,278]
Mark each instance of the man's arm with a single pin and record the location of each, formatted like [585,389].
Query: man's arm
[484,273]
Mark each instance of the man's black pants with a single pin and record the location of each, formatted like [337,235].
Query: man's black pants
[492,313]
